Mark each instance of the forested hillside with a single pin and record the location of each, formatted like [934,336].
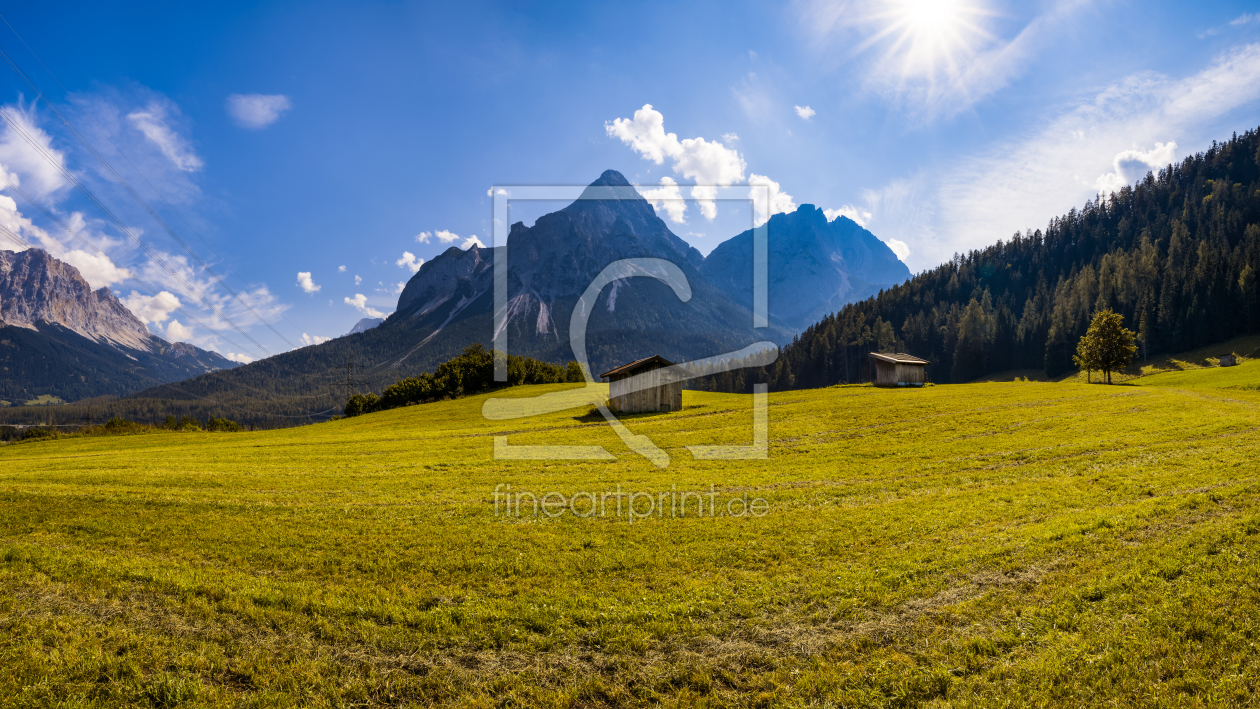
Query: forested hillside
[1177,255]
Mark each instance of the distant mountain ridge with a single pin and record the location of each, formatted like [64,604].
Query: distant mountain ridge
[815,267]
[365,324]
[60,337]
[448,305]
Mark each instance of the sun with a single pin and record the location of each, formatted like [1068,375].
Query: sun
[929,37]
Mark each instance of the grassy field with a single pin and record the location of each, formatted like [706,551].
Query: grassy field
[1244,348]
[999,544]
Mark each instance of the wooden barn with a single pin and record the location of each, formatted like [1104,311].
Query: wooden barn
[649,384]
[898,370]
[1228,360]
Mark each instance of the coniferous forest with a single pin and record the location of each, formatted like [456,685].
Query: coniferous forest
[1177,255]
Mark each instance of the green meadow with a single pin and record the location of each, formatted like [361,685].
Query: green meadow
[995,544]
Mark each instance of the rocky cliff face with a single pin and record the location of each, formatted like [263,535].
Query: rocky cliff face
[550,265]
[364,325]
[815,267]
[35,288]
[60,337]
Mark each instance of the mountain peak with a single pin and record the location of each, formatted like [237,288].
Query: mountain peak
[611,178]
[611,185]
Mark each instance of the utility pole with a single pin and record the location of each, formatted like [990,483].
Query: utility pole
[349,367]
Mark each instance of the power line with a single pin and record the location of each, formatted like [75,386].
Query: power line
[76,236]
[15,125]
[127,186]
[349,366]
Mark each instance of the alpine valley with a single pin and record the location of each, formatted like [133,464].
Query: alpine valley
[815,267]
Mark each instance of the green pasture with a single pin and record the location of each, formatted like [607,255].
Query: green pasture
[998,544]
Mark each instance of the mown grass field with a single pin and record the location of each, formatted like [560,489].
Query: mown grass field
[1000,544]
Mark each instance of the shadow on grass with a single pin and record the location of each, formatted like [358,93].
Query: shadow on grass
[594,416]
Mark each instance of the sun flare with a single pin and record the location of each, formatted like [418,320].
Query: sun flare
[929,37]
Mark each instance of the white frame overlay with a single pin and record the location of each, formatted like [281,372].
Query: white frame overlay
[758,354]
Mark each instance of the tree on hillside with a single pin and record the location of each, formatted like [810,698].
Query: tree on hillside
[1106,346]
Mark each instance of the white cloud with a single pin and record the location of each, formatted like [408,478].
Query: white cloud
[757,97]
[669,198]
[470,242]
[249,301]
[778,202]
[36,173]
[729,138]
[901,248]
[154,123]
[360,301]
[645,134]
[709,164]
[806,112]
[304,280]
[444,236]
[901,214]
[178,333]
[103,118]
[410,261]
[358,279]
[392,289]
[491,192]
[242,358]
[857,214]
[97,269]
[1132,165]
[1244,18]
[257,111]
[314,339]
[152,308]
[341,269]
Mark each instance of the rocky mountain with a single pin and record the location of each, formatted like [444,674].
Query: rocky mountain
[59,337]
[365,324]
[448,304]
[815,266]
[549,266]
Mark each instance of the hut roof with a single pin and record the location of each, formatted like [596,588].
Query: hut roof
[653,362]
[898,358]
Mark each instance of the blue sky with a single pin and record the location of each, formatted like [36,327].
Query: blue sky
[282,139]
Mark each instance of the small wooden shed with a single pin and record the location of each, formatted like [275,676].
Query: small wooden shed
[1228,360]
[898,370]
[649,384]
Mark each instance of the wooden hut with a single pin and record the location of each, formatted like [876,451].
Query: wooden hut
[1228,360]
[898,370]
[649,384]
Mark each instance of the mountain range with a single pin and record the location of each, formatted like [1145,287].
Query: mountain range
[59,338]
[815,266]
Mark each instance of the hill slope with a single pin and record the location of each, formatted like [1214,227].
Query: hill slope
[1010,544]
[1177,254]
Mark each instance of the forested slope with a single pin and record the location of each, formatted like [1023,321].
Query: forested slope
[1177,255]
